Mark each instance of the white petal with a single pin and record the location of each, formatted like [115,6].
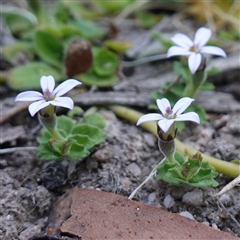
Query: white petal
[177,51]
[181,105]
[66,102]
[213,50]
[47,83]
[36,106]
[202,36]
[194,61]
[65,87]
[29,96]
[165,124]
[149,117]
[190,116]
[182,40]
[163,104]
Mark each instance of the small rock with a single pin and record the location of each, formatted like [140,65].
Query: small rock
[149,139]
[206,223]
[177,192]
[214,226]
[30,232]
[102,155]
[126,183]
[91,164]
[194,198]
[186,214]
[226,199]
[3,163]
[151,197]
[134,169]
[168,201]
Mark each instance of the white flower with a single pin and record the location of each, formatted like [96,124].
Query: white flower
[195,48]
[49,96]
[169,116]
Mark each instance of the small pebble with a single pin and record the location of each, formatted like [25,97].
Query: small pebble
[187,214]
[177,192]
[206,223]
[151,197]
[194,198]
[103,155]
[226,199]
[214,226]
[126,183]
[91,164]
[168,201]
[134,169]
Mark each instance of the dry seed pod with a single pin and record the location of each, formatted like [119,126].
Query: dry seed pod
[78,57]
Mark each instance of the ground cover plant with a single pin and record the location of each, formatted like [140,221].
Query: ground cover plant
[185,159]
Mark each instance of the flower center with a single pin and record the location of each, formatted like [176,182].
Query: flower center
[194,48]
[48,95]
[168,112]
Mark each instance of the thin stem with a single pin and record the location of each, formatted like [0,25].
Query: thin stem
[151,174]
[56,135]
[227,168]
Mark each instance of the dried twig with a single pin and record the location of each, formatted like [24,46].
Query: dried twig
[229,214]
[229,186]
[10,150]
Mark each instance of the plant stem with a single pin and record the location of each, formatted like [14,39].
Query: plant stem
[227,168]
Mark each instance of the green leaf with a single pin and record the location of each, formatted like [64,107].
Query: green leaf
[12,51]
[105,62]
[89,29]
[45,152]
[95,119]
[75,113]
[18,20]
[183,70]
[117,46]
[49,48]
[197,108]
[36,7]
[207,86]
[91,78]
[27,77]
[194,172]
[91,131]
[147,20]
[213,70]
[179,157]
[77,152]
[46,136]
[112,6]
[79,10]
[84,140]
[177,90]
[65,123]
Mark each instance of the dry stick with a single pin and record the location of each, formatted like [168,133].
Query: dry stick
[10,150]
[230,215]
[152,173]
[229,186]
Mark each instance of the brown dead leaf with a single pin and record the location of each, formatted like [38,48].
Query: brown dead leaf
[102,215]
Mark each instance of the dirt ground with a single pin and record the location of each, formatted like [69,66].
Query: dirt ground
[119,165]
